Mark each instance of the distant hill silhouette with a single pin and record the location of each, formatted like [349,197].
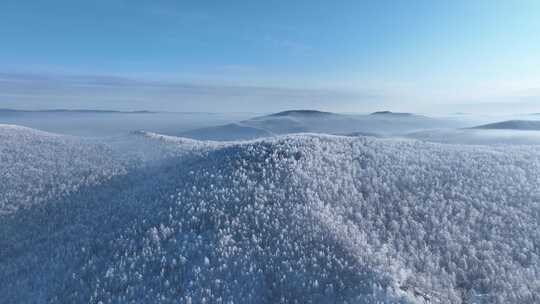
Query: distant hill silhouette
[313,121]
[302,113]
[74,111]
[512,125]
[390,113]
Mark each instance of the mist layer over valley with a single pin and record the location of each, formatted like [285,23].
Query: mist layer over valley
[455,128]
[99,123]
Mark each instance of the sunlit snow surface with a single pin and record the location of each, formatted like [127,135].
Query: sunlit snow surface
[479,136]
[38,166]
[305,218]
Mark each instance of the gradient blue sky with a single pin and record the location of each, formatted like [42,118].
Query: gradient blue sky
[354,56]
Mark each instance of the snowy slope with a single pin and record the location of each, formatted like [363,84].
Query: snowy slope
[476,136]
[37,166]
[304,218]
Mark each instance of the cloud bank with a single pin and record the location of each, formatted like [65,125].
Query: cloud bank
[43,91]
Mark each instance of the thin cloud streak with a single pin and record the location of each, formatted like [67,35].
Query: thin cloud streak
[38,91]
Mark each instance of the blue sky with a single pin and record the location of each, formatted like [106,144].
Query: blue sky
[353,56]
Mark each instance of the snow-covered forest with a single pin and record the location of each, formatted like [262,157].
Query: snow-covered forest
[305,218]
[269,152]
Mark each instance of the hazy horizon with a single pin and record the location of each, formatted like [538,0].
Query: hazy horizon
[355,56]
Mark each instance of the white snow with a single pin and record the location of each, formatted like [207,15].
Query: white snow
[292,219]
[479,136]
[36,166]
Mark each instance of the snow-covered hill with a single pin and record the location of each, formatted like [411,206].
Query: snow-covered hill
[228,132]
[36,166]
[513,125]
[292,219]
[476,136]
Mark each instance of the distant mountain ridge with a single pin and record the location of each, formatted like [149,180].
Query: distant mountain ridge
[74,111]
[314,121]
[302,113]
[390,113]
[529,125]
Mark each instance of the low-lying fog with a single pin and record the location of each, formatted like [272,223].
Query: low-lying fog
[452,128]
[110,123]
